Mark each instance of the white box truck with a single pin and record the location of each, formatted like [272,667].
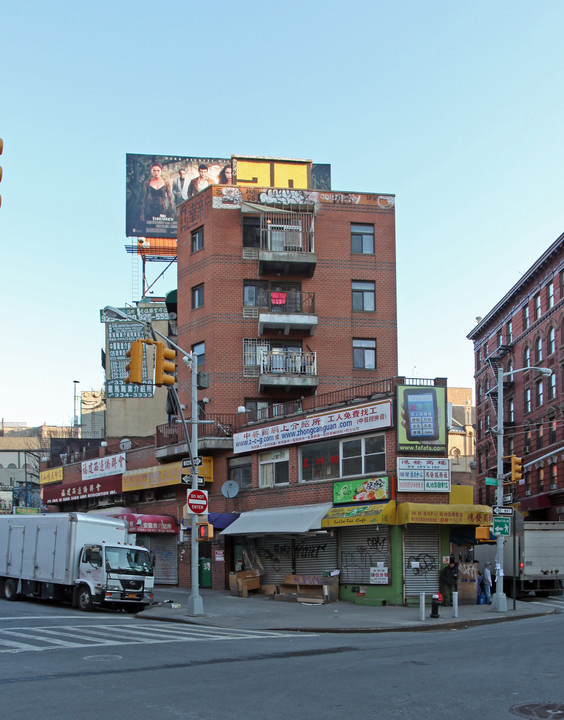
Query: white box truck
[538,563]
[84,559]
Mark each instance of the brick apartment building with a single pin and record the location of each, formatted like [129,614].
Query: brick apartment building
[525,329]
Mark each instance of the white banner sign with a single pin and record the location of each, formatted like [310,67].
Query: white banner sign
[379,575]
[102,467]
[423,475]
[354,419]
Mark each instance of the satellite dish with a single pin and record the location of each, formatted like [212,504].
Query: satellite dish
[125,444]
[229,489]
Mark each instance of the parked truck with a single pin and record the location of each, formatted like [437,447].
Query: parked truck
[76,557]
[538,563]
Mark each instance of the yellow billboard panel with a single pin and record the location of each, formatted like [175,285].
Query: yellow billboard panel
[162,475]
[253,172]
[52,475]
[291,175]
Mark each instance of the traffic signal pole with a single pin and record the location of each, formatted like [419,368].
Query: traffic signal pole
[499,598]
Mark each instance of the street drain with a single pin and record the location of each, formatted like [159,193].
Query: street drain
[550,710]
[102,658]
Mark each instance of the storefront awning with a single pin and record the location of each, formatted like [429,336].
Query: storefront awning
[219,520]
[380,514]
[278,521]
[536,502]
[443,514]
[149,523]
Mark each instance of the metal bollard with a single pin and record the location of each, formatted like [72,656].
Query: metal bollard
[455,604]
[422,607]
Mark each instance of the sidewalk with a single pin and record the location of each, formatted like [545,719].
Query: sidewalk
[260,612]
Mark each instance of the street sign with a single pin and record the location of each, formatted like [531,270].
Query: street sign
[502,526]
[197,462]
[491,481]
[186,478]
[197,501]
[498,510]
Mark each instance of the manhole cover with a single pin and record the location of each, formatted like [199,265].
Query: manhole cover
[103,658]
[552,710]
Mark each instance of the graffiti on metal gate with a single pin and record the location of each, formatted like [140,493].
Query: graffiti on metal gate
[422,564]
[356,564]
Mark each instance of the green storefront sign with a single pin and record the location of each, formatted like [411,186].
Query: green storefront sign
[364,490]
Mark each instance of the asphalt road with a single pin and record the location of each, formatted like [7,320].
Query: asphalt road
[58,663]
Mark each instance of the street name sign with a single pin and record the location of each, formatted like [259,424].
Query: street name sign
[197,501]
[491,481]
[502,526]
[197,462]
[499,510]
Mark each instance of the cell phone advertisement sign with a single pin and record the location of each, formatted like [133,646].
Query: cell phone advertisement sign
[421,414]
[423,475]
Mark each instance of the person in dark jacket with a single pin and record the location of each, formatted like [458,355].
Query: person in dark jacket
[449,580]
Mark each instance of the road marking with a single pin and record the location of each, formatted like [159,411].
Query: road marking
[39,639]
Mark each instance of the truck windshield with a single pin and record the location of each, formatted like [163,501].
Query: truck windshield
[128,561]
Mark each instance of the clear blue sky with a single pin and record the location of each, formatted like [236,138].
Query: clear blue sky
[456,108]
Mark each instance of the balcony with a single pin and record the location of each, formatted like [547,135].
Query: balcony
[288,370]
[215,432]
[287,244]
[287,311]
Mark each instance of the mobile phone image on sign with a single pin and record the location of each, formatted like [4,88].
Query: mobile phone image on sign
[421,414]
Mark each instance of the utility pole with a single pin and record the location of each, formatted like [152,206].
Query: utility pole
[499,598]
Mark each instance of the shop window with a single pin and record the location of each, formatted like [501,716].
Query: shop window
[274,468]
[320,461]
[363,455]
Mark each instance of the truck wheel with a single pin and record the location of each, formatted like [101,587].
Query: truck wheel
[84,598]
[11,589]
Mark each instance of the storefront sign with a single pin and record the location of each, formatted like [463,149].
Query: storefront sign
[378,514]
[220,556]
[81,490]
[103,467]
[421,413]
[423,474]
[443,514]
[355,419]
[51,476]
[162,475]
[379,575]
[364,490]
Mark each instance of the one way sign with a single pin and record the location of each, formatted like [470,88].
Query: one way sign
[498,510]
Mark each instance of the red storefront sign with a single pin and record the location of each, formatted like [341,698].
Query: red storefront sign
[101,487]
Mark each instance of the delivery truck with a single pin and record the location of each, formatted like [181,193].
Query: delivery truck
[538,562]
[83,559]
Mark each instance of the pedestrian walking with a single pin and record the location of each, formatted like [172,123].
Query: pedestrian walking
[487,583]
[449,580]
[479,578]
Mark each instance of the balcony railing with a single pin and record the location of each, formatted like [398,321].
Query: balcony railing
[287,232]
[216,425]
[291,302]
[284,362]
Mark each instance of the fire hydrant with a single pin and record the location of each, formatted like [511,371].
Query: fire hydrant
[435,603]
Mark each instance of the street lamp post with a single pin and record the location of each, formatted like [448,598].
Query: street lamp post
[195,602]
[499,598]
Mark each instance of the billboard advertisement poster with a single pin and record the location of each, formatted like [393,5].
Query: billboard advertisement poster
[421,414]
[363,490]
[157,184]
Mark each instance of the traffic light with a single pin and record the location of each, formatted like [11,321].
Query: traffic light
[164,365]
[482,533]
[135,365]
[516,468]
[205,531]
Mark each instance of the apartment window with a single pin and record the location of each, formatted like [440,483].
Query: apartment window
[527,357]
[255,293]
[526,319]
[485,351]
[527,482]
[540,479]
[561,284]
[480,429]
[239,470]
[363,455]
[551,341]
[550,294]
[511,411]
[537,306]
[252,350]
[527,400]
[499,339]
[197,239]
[510,446]
[553,476]
[479,394]
[538,350]
[510,370]
[251,232]
[274,468]
[364,354]
[539,435]
[362,239]
[363,295]
[552,432]
[199,349]
[197,296]
[510,332]
[258,409]
[527,448]
[552,386]
[539,393]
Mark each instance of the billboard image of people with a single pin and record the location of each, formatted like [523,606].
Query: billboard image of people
[156,184]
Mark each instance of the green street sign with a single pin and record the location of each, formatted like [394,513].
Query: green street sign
[502,526]
[491,481]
